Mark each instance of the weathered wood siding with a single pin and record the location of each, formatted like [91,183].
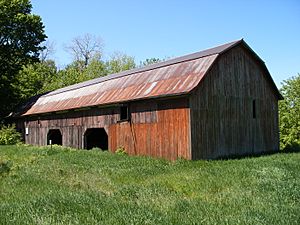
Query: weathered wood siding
[72,125]
[158,128]
[222,122]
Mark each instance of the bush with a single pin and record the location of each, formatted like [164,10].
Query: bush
[121,151]
[9,135]
[96,149]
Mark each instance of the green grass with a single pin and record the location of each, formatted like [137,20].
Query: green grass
[65,186]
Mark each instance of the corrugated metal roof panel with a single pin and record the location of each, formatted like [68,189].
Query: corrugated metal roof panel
[162,81]
[208,52]
[173,77]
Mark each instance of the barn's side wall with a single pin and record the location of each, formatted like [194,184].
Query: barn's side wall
[72,125]
[158,128]
[222,122]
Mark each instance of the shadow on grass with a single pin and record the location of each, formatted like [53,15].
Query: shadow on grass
[290,149]
[5,167]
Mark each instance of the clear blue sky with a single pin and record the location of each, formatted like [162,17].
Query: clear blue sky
[158,28]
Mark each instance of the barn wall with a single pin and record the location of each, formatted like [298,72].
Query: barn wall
[222,122]
[72,125]
[158,128]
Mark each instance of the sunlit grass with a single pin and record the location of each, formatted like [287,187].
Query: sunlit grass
[67,186]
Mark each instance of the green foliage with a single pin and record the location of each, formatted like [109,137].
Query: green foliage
[289,114]
[43,76]
[96,68]
[75,73]
[120,62]
[150,61]
[21,34]
[68,76]
[69,186]
[36,78]
[9,135]
[121,151]
[22,75]
[96,149]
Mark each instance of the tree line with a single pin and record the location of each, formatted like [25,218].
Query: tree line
[88,63]
[27,70]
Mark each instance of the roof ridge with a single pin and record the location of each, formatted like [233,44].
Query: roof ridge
[201,54]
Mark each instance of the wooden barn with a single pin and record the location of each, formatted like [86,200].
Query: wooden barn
[220,102]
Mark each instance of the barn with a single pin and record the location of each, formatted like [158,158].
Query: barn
[220,102]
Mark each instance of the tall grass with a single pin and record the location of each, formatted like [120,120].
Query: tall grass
[66,186]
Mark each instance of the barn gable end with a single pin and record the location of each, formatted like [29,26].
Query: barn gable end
[234,110]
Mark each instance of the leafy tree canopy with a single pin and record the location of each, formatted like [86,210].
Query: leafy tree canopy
[21,34]
[35,78]
[150,61]
[289,110]
[120,62]
[39,77]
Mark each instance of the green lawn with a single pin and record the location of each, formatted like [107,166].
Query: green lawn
[65,186]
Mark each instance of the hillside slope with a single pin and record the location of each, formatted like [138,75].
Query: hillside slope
[66,186]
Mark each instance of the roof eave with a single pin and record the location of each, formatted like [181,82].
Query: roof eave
[161,97]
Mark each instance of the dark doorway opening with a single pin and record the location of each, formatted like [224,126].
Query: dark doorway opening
[55,136]
[95,138]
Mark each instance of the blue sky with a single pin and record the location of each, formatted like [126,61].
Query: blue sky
[146,29]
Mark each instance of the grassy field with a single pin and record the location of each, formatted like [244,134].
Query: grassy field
[65,186]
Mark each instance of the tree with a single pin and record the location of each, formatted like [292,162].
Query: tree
[84,48]
[68,76]
[73,73]
[120,62]
[150,61]
[21,34]
[47,51]
[35,79]
[43,76]
[96,68]
[289,113]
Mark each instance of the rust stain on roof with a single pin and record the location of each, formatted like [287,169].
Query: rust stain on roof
[173,77]
[176,79]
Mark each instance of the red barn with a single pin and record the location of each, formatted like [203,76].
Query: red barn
[215,103]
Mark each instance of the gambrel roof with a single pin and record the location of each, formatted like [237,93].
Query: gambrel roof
[173,77]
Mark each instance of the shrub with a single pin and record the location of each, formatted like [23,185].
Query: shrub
[96,149]
[9,135]
[121,151]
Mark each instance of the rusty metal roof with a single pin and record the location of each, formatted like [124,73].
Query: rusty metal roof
[173,77]
[207,52]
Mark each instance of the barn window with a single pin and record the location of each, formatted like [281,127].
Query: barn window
[95,138]
[124,113]
[54,136]
[253,109]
